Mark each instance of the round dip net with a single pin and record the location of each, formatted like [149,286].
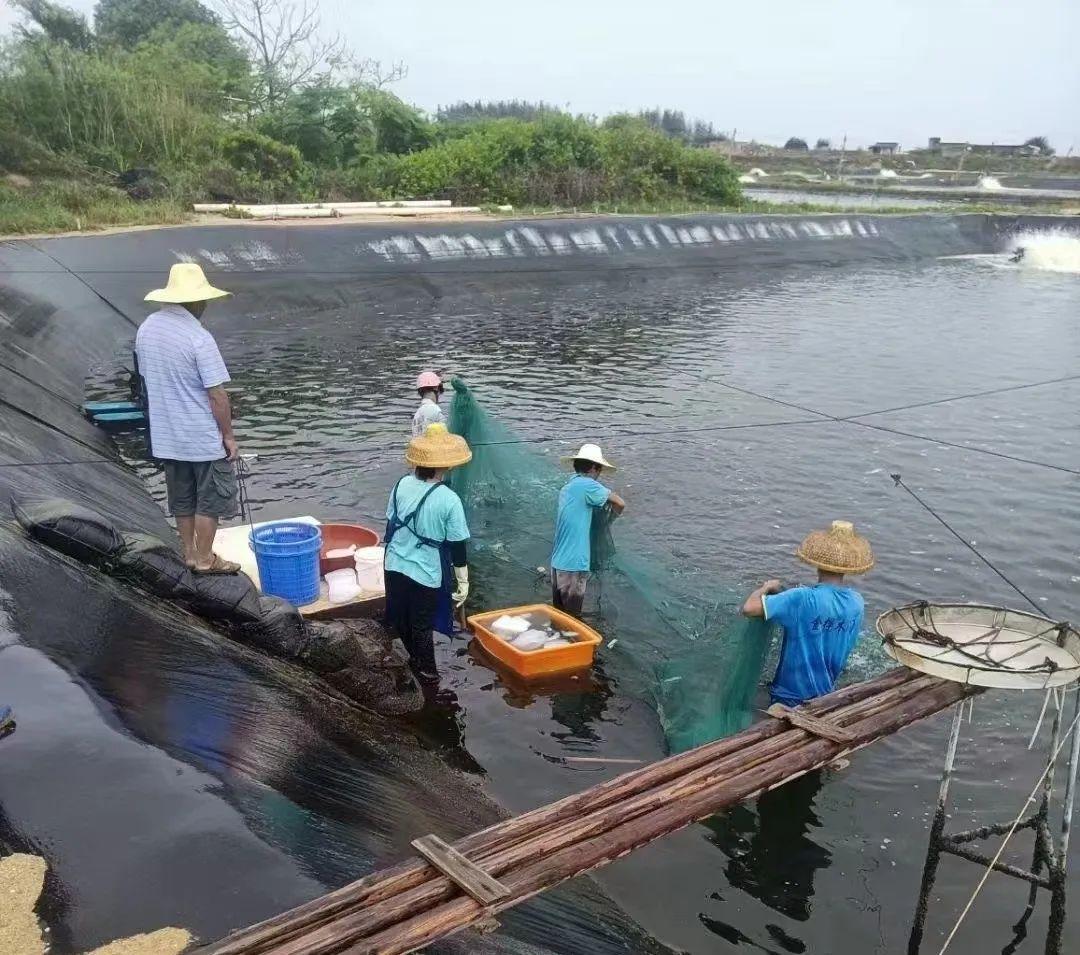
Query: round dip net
[689,654]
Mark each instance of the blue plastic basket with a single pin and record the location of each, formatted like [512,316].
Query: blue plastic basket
[287,554]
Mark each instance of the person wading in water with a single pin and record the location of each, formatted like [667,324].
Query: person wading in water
[427,573]
[430,388]
[822,622]
[190,415]
[581,497]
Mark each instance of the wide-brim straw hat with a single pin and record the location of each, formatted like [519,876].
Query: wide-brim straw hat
[187,284]
[838,550]
[438,448]
[590,452]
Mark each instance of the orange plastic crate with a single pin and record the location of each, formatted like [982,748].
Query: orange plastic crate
[537,663]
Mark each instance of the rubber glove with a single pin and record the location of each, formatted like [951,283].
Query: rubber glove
[461,592]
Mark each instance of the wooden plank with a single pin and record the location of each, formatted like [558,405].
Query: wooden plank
[485,888]
[826,729]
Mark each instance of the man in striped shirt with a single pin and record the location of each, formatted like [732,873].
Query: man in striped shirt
[190,414]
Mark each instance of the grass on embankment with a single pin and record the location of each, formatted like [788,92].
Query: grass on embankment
[65,206]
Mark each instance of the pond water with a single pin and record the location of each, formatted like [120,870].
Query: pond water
[744,407]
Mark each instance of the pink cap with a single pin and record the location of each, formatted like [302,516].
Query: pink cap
[428,379]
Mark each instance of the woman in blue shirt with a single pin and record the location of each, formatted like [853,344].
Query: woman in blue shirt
[820,623]
[427,573]
[581,497]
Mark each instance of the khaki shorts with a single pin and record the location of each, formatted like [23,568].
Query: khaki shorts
[203,488]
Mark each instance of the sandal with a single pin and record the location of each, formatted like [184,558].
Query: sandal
[220,566]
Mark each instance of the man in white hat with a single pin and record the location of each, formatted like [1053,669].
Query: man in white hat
[190,415]
[821,623]
[581,497]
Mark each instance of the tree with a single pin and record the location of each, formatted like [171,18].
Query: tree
[290,52]
[1043,144]
[796,143]
[54,22]
[128,23]
[823,143]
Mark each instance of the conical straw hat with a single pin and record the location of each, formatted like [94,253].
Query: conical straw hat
[438,448]
[187,284]
[838,550]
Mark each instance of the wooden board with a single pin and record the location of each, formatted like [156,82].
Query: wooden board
[232,544]
[812,724]
[468,876]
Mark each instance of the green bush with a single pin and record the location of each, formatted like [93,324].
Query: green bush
[267,170]
[557,160]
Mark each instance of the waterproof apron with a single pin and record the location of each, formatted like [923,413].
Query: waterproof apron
[444,613]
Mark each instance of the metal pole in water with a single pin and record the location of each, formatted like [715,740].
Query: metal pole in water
[937,829]
[1059,865]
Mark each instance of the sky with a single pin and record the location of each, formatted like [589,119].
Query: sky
[894,70]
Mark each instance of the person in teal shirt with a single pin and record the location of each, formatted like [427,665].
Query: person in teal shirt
[427,573]
[579,500]
[821,623]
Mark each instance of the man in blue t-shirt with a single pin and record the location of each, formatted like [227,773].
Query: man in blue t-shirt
[581,497]
[820,623]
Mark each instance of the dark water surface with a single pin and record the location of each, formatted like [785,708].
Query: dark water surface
[830,863]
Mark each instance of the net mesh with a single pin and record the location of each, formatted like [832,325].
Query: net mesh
[673,638]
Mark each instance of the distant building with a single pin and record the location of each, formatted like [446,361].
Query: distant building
[731,147]
[940,148]
[885,149]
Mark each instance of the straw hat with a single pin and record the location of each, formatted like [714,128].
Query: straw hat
[438,448]
[838,550]
[187,284]
[590,452]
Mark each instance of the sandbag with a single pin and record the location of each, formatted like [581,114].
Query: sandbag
[337,644]
[280,629]
[70,528]
[230,597]
[362,660]
[153,565]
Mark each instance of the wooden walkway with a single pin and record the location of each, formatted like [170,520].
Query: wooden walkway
[445,889]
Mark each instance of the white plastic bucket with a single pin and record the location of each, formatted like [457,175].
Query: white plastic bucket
[369,569]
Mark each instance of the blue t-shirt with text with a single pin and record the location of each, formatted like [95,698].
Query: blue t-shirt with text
[577,500]
[821,625]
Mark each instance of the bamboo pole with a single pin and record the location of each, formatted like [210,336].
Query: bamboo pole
[552,869]
[588,825]
[412,873]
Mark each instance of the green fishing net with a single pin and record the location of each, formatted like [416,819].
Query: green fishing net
[671,638]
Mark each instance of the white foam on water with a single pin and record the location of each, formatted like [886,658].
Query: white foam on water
[495,247]
[512,241]
[635,240]
[1048,250]
[588,240]
[700,234]
[612,233]
[439,246]
[989,184]
[560,243]
[668,233]
[719,234]
[650,236]
[843,227]
[474,247]
[261,255]
[535,239]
